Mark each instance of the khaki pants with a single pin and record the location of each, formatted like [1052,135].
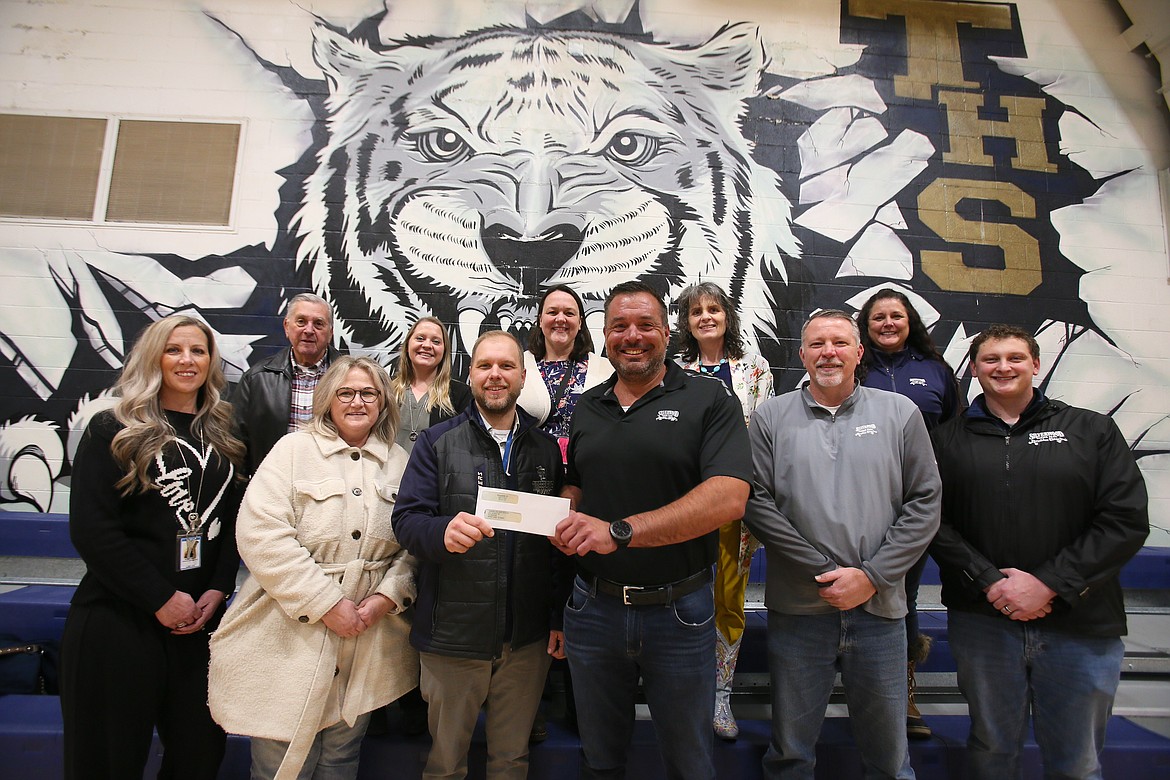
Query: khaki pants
[508,689]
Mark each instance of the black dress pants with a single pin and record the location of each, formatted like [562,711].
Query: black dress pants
[123,675]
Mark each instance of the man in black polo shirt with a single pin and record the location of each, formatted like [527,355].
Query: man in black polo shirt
[658,461]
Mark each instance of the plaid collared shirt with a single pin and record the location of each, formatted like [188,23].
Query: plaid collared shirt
[304,381]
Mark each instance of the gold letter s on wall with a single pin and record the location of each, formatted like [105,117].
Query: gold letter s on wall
[1021,273]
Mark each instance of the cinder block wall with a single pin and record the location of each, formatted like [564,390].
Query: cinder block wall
[999,162]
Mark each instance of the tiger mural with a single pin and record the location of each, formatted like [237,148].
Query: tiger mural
[462,175]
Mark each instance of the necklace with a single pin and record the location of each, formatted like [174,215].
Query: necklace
[412,405]
[705,369]
[193,516]
[189,542]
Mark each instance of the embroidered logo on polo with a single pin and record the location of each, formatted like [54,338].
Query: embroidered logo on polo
[869,429]
[917,382]
[669,415]
[1043,437]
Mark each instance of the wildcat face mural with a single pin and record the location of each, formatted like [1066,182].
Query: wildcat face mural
[463,177]
[459,172]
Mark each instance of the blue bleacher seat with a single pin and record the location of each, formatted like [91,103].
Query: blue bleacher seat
[30,726]
[32,534]
[35,612]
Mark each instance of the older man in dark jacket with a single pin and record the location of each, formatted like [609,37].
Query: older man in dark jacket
[1043,504]
[489,601]
[276,395]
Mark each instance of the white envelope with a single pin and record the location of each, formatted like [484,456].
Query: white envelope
[513,510]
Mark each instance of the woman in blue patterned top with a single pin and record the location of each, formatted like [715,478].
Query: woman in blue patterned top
[560,362]
[560,365]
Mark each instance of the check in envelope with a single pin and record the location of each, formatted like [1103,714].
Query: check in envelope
[513,510]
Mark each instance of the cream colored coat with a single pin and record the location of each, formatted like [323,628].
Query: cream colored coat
[314,527]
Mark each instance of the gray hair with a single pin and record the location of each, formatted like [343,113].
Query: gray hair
[832,314]
[308,297]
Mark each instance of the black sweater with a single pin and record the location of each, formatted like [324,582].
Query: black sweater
[130,543]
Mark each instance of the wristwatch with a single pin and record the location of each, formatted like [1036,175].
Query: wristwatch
[621,532]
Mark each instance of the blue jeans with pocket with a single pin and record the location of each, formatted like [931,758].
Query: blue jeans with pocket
[805,652]
[333,756]
[1007,668]
[672,648]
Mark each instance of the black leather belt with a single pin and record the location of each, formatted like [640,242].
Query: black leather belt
[650,595]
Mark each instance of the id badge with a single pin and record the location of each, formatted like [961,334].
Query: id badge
[190,551]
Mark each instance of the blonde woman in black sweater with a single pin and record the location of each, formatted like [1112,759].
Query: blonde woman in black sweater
[152,513]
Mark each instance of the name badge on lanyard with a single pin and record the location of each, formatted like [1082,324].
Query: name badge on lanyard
[190,551]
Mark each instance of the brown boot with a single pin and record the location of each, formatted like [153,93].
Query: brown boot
[916,727]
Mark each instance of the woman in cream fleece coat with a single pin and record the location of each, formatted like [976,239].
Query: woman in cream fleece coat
[316,639]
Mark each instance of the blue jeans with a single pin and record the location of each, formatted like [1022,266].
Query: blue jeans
[333,756]
[1069,681]
[805,652]
[672,648]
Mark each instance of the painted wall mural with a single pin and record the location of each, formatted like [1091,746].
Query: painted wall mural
[995,161]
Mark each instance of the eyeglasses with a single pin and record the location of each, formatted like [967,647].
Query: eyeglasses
[368,394]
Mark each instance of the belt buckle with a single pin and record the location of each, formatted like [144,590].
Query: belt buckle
[626,594]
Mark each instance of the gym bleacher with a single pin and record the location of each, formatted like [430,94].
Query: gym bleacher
[39,569]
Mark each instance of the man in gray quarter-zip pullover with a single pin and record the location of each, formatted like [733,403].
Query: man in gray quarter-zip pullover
[846,498]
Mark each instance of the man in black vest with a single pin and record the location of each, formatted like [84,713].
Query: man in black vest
[489,601]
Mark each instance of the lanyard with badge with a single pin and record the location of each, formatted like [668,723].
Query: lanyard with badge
[189,542]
